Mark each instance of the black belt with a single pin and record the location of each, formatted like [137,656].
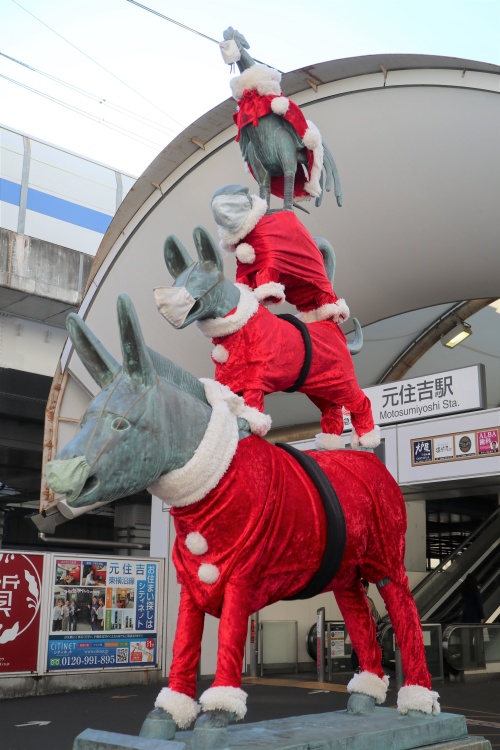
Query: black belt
[304,372]
[335,525]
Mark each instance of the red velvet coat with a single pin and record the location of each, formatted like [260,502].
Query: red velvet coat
[264,532]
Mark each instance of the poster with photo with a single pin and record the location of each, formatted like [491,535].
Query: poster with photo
[108,620]
[487,442]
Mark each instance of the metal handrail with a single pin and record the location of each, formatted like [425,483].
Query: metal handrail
[471,646]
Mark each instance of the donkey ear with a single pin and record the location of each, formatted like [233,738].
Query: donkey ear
[177,258]
[98,361]
[206,248]
[328,254]
[137,362]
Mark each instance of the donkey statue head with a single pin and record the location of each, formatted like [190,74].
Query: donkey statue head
[130,434]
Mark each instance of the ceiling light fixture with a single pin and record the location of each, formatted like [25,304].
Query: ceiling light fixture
[457,334]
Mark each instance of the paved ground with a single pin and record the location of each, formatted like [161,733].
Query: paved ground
[123,709]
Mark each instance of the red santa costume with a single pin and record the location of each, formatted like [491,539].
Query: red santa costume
[251,530]
[257,353]
[278,257]
[258,93]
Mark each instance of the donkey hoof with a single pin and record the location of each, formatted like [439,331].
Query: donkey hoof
[362,704]
[158,725]
[210,730]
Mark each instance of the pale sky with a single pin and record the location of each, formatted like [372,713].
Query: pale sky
[171,76]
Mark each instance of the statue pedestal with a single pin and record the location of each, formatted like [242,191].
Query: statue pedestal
[382,729]
[336,730]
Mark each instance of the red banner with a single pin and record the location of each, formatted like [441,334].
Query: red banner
[20,595]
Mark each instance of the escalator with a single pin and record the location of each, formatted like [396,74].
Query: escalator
[438,596]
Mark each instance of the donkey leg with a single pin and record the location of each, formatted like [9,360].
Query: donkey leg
[416,695]
[287,157]
[332,425]
[370,686]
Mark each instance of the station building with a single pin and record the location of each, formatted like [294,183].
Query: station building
[415,140]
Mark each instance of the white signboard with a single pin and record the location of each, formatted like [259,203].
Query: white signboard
[441,394]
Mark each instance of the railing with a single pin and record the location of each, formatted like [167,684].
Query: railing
[471,647]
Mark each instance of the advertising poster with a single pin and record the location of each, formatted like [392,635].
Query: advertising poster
[421,451]
[487,442]
[443,448]
[465,445]
[103,614]
[20,592]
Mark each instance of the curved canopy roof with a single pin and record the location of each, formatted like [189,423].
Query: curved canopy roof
[416,142]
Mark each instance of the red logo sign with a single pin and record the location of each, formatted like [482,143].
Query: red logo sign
[20,593]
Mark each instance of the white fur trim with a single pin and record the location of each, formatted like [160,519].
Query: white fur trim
[208,573]
[181,707]
[260,78]
[418,698]
[268,293]
[209,463]
[260,423]
[245,253]
[196,543]
[326,441]
[313,136]
[247,306]
[280,105]
[368,683]
[370,439]
[220,354]
[226,699]
[336,311]
[228,240]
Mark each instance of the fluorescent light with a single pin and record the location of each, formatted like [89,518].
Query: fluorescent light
[458,334]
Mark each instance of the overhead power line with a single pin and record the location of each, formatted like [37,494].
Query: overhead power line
[182,25]
[129,134]
[124,83]
[101,100]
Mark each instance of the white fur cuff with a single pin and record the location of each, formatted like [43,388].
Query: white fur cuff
[418,698]
[336,311]
[368,683]
[270,293]
[181,708]
[326,441]
[226,699]
[369,440]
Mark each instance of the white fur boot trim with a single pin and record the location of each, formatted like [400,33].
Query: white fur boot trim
[368,683]
[270,293]
[181,707]
[216,393]
[326,441]
[226,699]
[370,439]
[313,141]
[418,698]
[336,311]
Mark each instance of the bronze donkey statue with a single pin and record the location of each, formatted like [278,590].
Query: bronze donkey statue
[255,522]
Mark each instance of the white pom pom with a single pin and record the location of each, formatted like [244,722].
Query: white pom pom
[220,354]
[196,543]
[280,105]
[208,573]
[245,253]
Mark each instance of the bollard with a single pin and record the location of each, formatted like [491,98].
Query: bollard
[320,643]
[254,645]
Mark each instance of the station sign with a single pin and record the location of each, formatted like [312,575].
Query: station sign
[444,393]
